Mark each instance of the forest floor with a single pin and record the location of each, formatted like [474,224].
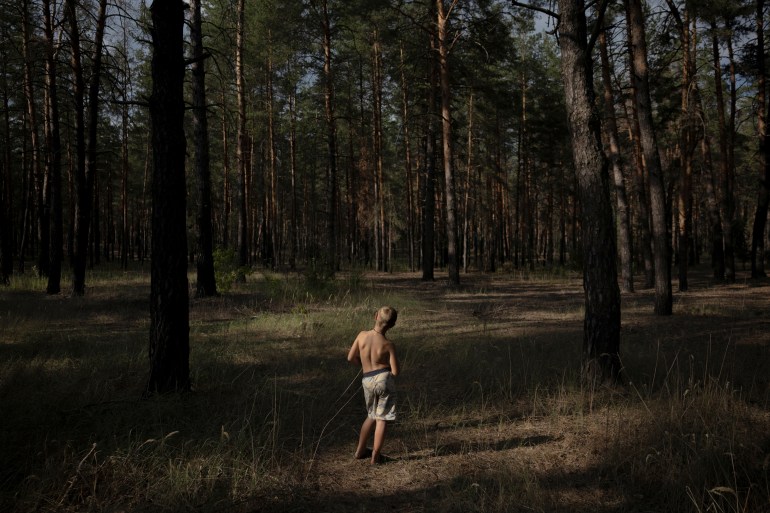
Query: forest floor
[492,415]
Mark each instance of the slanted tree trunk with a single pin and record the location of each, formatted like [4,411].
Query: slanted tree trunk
[638,48]
[206,283]
[624,212]
[53,160]
[601,325]
[169,302]
[446,131]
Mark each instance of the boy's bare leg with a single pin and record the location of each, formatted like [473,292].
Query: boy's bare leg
[379,438]
[366,431]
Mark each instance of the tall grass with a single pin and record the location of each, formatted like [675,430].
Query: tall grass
[273,397]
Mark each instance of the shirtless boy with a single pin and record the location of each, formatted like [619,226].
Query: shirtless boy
[377,356]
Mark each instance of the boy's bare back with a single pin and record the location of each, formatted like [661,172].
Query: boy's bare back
[372,349]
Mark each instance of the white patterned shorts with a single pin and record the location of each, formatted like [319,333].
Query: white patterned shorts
[380,394]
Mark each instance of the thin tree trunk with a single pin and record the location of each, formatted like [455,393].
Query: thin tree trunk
[242,141]
[53,161]
[601,325]
[169,303]
[624,223]
[6,188]
[763,196]
[688,145]
[39,178]
[407,162]
[724,161]
[206,282]
[293,231]
[429,162]
[446,124]
[331,127]
[83,197]
[638,48]
[381,246]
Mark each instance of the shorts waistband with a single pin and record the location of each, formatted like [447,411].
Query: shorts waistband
[375,372]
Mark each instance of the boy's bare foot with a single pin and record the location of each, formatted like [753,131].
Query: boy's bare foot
[363,454]
[377,459]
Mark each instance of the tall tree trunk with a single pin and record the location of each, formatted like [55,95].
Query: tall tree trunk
[687,147]
[381,245]
[640,191]
[293,228]
[241,150]
[53,161]
[763,196]
[724,160]
[273,225]
[169,302]
[82,192]
[6,188]
[715,219]
[624,213]
[331,138]
[446,131]
[407,162]
[601,325]
[38,176]
[206,283]
[638,48]
[429,163]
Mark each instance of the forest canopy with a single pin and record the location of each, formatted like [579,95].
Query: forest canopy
[339,137]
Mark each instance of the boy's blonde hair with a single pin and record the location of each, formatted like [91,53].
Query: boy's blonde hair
[386,317]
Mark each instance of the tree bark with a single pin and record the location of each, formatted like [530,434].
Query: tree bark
[53,160]
[446,131]
[241,150]
[763,194]
[601,325]
[429,162]
[206,283]
[331,139]
[624,222]
[169,302]
[661,251]
[83,197]
[37,174]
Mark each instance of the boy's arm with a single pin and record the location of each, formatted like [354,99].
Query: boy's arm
[354,355]
[394,369]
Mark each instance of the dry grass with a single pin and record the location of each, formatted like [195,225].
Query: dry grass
[492,416]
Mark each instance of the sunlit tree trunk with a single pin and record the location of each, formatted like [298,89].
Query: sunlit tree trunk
[169,301]
[601,325]
[638,48]
[446,130]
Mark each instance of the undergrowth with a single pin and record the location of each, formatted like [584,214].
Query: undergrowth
[687,431]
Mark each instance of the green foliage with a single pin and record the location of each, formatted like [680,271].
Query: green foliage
[226,269]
